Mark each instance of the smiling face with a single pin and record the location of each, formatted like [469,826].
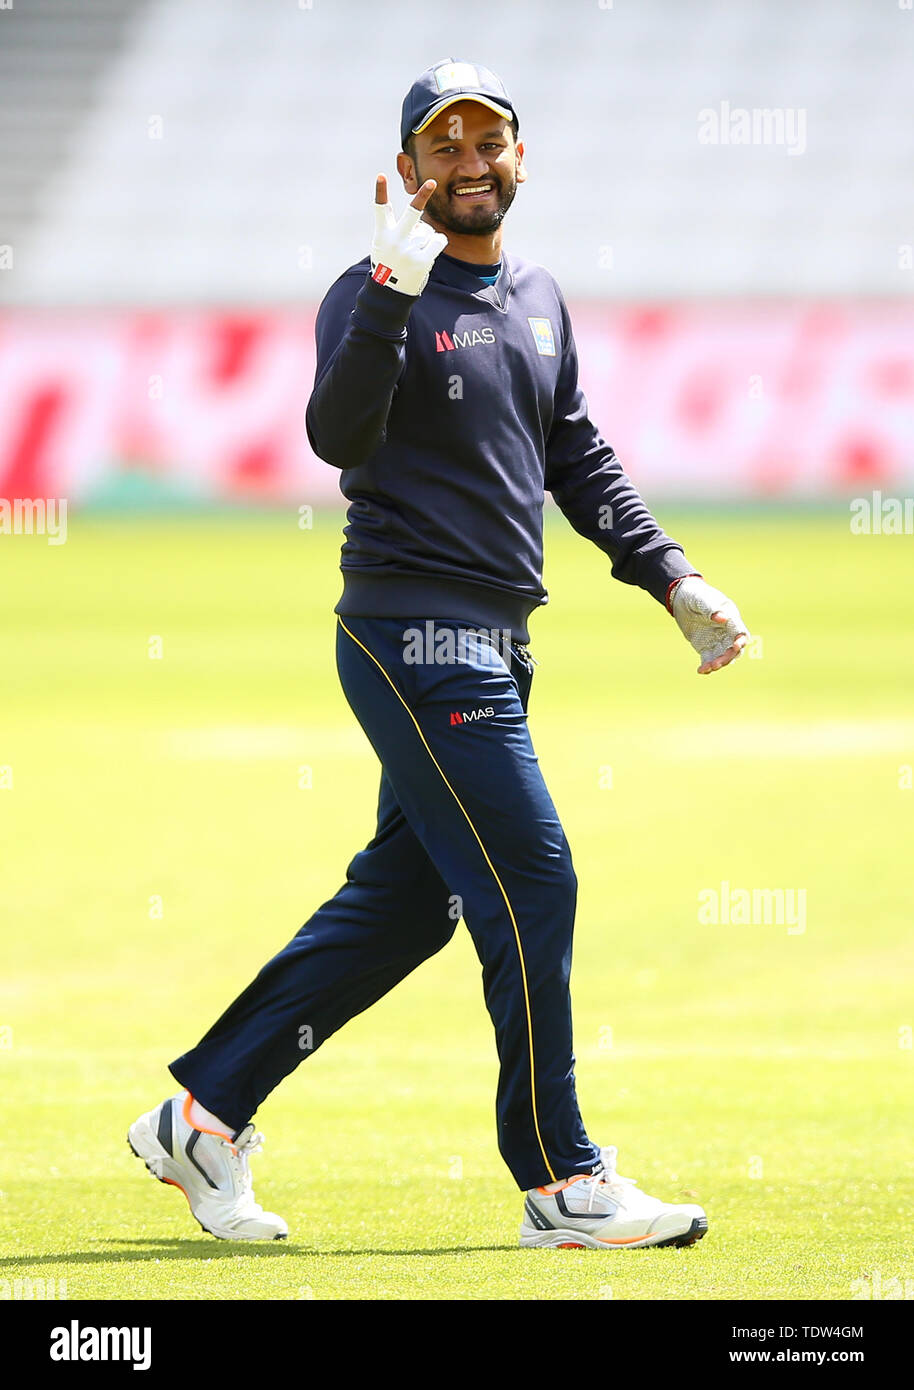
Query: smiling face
[471,153]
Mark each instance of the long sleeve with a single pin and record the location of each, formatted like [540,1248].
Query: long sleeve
[361,351]
[598,498]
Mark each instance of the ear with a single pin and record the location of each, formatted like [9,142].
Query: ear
[520,172]
[407,172]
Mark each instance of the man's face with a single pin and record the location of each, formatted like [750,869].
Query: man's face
[466,147]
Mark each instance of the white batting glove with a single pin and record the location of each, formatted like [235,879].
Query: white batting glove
[710,621]
[403,251]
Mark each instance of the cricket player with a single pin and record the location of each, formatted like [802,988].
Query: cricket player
[446,393]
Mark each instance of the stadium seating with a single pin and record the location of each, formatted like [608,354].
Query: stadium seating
[212,152]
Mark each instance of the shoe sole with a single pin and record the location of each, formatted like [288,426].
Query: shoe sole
[577,1240]
[158,1158]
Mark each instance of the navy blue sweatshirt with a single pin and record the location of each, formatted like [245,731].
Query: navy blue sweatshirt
[450,414]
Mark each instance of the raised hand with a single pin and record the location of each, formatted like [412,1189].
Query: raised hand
[403,249]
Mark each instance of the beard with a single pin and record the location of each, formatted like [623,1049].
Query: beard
[475,219]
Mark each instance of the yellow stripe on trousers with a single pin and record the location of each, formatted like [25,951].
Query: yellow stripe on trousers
[520,949]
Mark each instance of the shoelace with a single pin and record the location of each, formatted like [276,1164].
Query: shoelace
[253,1145]
[596,1183]
[243,1153]
[609,1178]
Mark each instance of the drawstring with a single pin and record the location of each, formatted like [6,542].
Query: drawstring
[523,651]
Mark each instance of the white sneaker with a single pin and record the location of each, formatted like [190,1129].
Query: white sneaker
[212,1172]
[604,1210]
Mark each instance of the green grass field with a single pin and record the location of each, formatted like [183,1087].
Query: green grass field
[159,848]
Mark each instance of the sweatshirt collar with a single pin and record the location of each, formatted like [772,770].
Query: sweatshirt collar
[445,272]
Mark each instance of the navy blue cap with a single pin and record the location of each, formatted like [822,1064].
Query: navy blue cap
[447,82]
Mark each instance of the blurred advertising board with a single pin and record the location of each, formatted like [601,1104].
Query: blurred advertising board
[705,402]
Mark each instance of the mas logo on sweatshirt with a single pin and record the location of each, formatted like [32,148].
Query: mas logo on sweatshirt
[543,336]
[449,342]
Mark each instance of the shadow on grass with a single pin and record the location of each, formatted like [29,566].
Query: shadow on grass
[175,1248]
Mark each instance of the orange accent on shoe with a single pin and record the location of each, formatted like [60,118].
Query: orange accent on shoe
[185,1111]
[171,1183]
[570,1245]
[551,1191]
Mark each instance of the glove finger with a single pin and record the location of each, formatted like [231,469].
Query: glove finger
[734,624]
[408,219]
[383,217]
[710,651]
[723,640]
[429,243]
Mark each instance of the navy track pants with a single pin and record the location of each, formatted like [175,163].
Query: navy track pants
[466,827]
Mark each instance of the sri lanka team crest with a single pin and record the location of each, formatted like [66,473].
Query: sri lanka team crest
[543,336]
[451,75]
